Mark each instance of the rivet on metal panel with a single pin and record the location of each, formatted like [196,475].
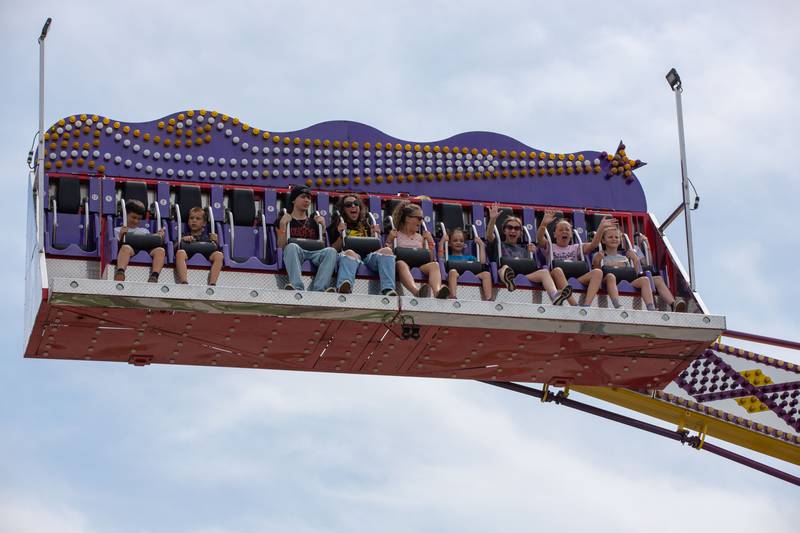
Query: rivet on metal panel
[337,368]
[583,312]
[487,335]
[236,320]
[579,374]
[528,337]
[626,369]
[104,313]
[213,363]
[452,375]
[457,304]
[570,339]
[164,289]
[254,294]
[562,348]
[665,317]
[594,357]
[87,357]
[172,361]
[706,319]
[414,301]
[499,307]
[624,314]
[342,298]
[255,365]
[73,284]
[298,296]
[601,350]
[385,301]
[45,354]
[586,367]
[210,291]
[634,360]
[467,360]
[301,359]
[540,309]
[445,331]
[120,286]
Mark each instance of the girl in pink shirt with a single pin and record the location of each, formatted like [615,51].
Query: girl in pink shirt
[563,250]
[407,218]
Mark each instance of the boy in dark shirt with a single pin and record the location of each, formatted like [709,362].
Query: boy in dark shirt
[296,224]
[135,212]
[197,233]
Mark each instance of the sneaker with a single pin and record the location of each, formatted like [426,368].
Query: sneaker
[153,277]
[443,293]
[289,287]
[345,288]
[424,291]
[119,274]
[330,289]
[508,279]
[183,283]
[565,293]
[679,305]
[389,292]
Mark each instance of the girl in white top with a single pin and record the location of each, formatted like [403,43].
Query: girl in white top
[610,256]
[407,218]
[563,250]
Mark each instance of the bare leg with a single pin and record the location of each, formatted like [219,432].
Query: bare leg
[216,267]
[643,284]
[405,277]
[663,291]
[180,266]
[560,280]
[486,285]
[452,282]
[434,275]
[543,276]
[592,280]
[124,256]
[611,286]
[158,259]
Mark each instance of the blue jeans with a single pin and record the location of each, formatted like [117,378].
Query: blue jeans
[382,264]
[324,260]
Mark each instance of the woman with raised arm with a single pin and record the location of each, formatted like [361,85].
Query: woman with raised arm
[512,247]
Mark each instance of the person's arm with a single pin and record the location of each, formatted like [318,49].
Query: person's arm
[335,235]
[598,257]
[442,243]
[634,259]
[427,237]
[549,216]
[391,238]
[494,211]
[283,230]
[595,242]
[120,232]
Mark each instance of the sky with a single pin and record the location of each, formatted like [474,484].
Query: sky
[95,447]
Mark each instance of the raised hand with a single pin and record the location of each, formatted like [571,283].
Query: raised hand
[376,229]
[428,237]
[494,210]
[187,238]
[342,226]
[549,216]
[319,219]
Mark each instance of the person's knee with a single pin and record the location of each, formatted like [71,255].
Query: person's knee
[610,278]
[386,251]
[596,274]
[352,255]
[158,253]
[557,272]
[216,257]
[292,249]
[126,248]
[180,254]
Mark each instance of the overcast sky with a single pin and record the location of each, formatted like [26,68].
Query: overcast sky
[91,447]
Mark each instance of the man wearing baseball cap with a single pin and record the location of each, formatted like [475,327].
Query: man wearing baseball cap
[298,235]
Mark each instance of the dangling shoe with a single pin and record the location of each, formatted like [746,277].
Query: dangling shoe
[119,274]
[424,291]
[679,305]
[345,288]
[563,296]
[153,277]
[443,293]
[389,292]
[508,279]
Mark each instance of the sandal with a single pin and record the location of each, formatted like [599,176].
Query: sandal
[443,293]
[424,291]
[119,274]
[562,297]
[508,279]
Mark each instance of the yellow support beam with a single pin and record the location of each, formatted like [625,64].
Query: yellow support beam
[689,419]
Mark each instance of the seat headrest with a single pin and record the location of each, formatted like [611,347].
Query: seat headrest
[68,195]
[134,190]
[187,197]
[243,206]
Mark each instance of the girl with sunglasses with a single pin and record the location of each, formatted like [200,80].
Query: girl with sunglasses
[514,248]
[352,222]
[407,219]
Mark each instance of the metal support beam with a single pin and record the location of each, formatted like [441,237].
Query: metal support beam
[671,218]
[682,436]
[39,184]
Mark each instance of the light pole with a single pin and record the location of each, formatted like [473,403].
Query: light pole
[40,150]
[674,81]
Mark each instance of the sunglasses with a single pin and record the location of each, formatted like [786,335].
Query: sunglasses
[513,228]
[419,217]
[348,205]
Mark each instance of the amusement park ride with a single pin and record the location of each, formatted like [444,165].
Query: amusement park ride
[661,363]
